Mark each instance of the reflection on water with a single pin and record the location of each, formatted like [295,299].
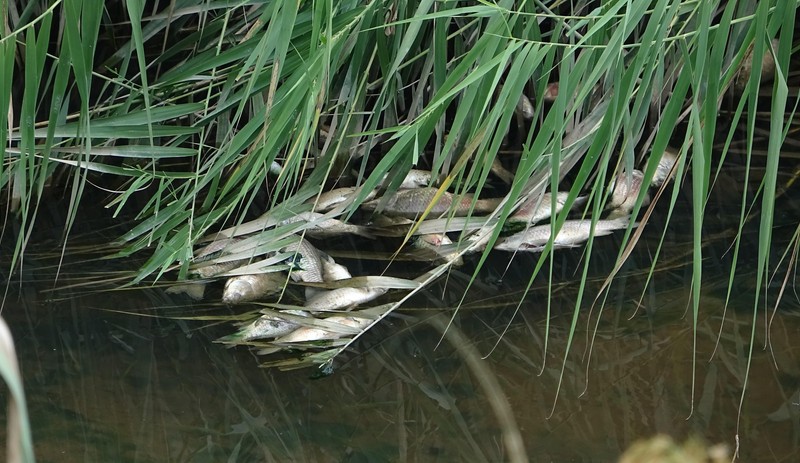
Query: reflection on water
[106,385]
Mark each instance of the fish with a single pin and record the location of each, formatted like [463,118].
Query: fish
[321,227]
[550,92]
[211,251]
[664,171]
[572,233]
[624,194]
[415,178]
[265,326]
[330,199]
[246,288]
[213,269]
[745,70]
[442,246]
[342,298]
[536,210]
[331,271]
[412,203]
[310,334]
[305,264]
[195,290]
[525,107]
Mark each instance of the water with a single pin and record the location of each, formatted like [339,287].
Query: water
[110,376]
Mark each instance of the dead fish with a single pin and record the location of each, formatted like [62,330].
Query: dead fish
[416,178]
[742,76]
[536,210]
[550,92]
[265,326]
[572,233]
[333,198]
[442,246]
[306,265]
[326,228]
[525,107]
[342,298]
[213,269]
[664,170]
[501,172]
[194,290]
[310,334]
[412,203]
[210,270]
[331,271]
[245,288]
[625,193]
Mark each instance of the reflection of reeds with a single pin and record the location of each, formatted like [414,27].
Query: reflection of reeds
[19,447]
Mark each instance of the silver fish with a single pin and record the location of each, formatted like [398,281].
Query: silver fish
[265,326]
[625,193]
[572,233]
[331,271]
[442,246]
[525,107]
[412,203]
[245,288]
[209,270]
[342,298]
[333,198]
[310,334]
[194,290]
[326,228]
[742,76]
[664,170]
[306,265]
[535,210]
[416,178]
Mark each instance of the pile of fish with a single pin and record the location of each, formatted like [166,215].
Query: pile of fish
[331,292]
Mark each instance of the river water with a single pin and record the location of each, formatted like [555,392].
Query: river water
[115,374]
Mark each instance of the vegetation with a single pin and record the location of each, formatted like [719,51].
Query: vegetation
[216,112]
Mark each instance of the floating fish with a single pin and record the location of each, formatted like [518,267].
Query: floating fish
[265,326]
[331,271]
[195,290]
[664,170]
[342,298]
[245,288]
[310,334]
[415,178]
[442,246]
[333,198]
[305,264]
[412,203]
[211,251]
[525,107]
[535,210]
[625,193]
[321,227]
[742,76]
[572,233]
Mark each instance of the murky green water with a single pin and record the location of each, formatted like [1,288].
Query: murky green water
[108,378]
